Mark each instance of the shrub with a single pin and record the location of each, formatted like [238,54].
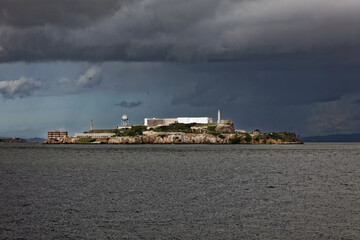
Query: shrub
[211,128]
[235,140]
[222,136]
[248,138]
[176,127]
[86,140]
[131,132]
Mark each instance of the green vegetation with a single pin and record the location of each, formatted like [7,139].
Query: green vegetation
[102,131]
[248,138]
[134,131]
[205,125]
[235,140]
[86,140]
[175,127]
[276,136]
[283,136]
[221,136]
[130,132]
[211,130]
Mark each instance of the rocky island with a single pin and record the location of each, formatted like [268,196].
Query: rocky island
[178,133]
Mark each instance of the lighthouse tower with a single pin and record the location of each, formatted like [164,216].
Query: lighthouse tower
[219,119]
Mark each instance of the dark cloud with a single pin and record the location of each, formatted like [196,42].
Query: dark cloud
[301,95]
[19,88]
[357,101]
[277,83]
[329,98]
[66,13]
[269,64]
[339,116]
[202,30]
[126,104]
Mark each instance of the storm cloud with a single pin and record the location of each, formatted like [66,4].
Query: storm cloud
[268,64]
[65,13]
[126,104]
[19,88]
[162,30]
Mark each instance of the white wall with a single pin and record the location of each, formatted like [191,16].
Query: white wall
[94,135]
[203,120]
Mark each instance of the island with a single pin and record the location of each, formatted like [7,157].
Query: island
[175,133]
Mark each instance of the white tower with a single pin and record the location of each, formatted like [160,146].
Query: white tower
[124,120]
[91,125]
[219,119]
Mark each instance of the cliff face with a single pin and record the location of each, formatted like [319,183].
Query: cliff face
[225,128]
[176,138]
[188,138]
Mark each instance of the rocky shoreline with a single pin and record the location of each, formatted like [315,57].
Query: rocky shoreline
[150,137]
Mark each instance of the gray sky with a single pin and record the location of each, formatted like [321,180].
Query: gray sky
[274,65]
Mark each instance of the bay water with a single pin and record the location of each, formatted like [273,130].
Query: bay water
[309,191]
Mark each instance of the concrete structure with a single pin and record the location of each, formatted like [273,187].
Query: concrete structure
[154,122]
[123,127]
[94,135]
[201,120]
[91,125]
[226,122]
[57,134]
[219,118]
[225,126]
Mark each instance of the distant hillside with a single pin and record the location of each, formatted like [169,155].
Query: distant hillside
[355,137]
[34,140]
[12,140]
[21,140]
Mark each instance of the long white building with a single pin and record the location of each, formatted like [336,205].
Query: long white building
[94,135]
[153,122]
[187,120]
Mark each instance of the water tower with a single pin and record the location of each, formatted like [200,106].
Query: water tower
[124,120]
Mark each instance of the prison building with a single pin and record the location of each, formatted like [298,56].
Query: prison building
[57,134]
[94,135]
[154,122]
[200,120]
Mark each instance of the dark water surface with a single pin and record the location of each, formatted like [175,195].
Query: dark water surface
[309,191]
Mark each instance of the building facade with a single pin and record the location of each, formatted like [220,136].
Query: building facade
[154,122]
[57,134]
[200,120]
[94,135]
